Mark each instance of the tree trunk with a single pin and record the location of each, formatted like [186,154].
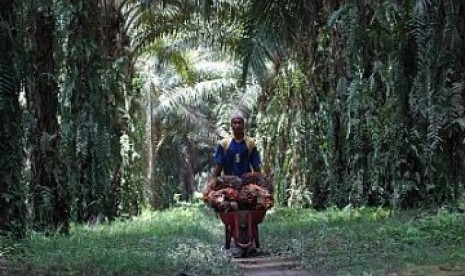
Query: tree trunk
[48,189]
[186,159]
[88,112]
[113,41]
[12,203]
[156,184]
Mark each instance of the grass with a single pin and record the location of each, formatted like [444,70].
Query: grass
[371,242]
[187,239]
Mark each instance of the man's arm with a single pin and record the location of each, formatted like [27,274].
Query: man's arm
[216,171]
[219,161]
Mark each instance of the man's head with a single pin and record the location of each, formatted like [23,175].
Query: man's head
[237,115]
[237,123]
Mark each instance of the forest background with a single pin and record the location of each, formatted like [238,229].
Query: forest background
[108,108]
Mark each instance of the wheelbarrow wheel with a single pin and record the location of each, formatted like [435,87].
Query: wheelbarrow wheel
[244,239]
[244,252]
[244,233]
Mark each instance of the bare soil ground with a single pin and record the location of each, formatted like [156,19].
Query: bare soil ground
[281,266]
[270,266]
[432,270]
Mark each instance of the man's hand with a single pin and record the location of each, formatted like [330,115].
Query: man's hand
[212,183]
[216,171]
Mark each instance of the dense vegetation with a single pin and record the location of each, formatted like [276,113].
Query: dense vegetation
[108,107]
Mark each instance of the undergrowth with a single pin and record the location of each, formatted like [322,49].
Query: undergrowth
[188,239]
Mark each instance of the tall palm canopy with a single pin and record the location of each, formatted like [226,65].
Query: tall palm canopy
[109,107]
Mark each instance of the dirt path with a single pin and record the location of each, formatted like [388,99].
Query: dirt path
[270,266]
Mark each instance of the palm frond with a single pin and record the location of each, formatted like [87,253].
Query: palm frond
[272,28]
[7,85]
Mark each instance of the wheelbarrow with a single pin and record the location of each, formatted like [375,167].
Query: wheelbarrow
[242,225]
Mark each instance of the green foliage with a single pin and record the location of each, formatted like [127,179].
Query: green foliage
[352,241]
[353,103]
[381,89]
[12,190]
[160,243]
[98,110]
[192,90]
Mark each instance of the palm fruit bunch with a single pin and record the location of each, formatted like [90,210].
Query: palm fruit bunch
[252,191]
[258,179]
[229,181]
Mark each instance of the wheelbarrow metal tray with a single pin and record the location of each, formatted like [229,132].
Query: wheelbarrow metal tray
[242,225]
[229,218]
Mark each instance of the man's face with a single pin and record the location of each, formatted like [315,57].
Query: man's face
[237,125]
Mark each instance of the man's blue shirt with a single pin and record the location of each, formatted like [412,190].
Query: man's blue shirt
[236,159]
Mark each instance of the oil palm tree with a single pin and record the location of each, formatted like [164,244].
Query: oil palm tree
[192,89]
[48,190]
[344,62]
[279,47]
[12,190]
[194,95]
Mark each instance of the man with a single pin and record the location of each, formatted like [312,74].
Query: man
[235,156]
[238,154]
